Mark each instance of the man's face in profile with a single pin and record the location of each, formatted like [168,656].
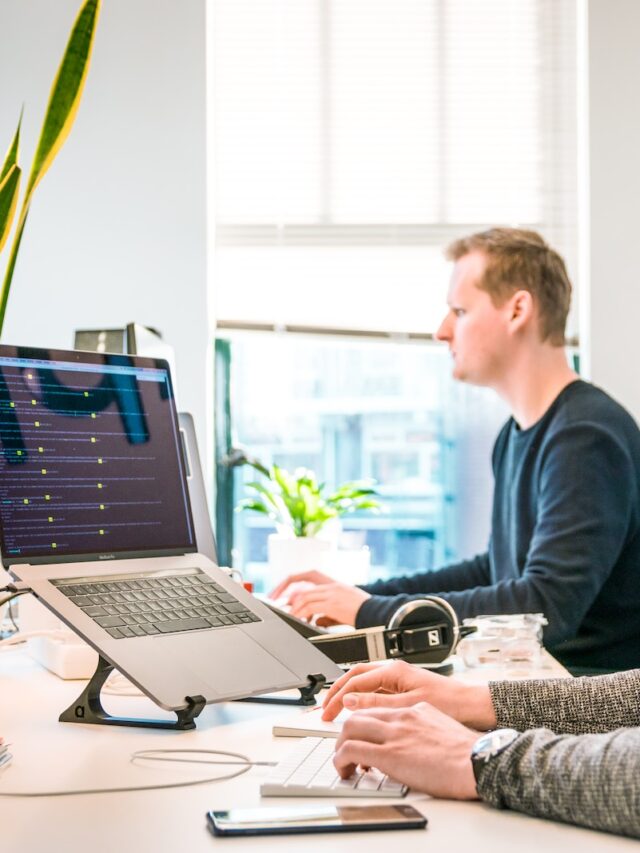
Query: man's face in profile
[474,328]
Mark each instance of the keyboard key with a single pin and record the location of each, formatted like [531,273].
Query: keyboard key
[371,780]
[110,621]
[172,626]
[391,785]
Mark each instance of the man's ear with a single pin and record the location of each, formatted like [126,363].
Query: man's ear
[521,310]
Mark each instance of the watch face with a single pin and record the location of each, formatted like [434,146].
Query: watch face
[490,745]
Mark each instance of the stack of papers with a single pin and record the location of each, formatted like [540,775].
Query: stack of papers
[5,755]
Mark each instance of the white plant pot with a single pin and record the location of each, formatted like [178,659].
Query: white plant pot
[290,555]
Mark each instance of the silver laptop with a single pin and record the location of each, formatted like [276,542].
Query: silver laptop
[95,517]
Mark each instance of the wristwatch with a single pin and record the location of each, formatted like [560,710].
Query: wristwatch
[488,746]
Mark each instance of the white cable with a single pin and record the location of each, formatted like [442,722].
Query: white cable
[146,754]
[165,755]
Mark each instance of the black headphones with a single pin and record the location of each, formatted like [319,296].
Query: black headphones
[424,631]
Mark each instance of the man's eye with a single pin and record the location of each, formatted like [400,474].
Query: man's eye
[458,312]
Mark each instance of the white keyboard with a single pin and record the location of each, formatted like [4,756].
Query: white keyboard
[308,771]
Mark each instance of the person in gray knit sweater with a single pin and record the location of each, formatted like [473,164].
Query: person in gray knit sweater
[574,755]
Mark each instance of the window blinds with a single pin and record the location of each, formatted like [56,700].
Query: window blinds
[354,138]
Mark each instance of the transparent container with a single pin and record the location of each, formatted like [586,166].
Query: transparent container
[503,640]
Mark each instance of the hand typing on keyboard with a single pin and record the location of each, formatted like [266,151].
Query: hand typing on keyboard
[419,745]
[308,771]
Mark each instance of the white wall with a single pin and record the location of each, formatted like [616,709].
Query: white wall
[117,229]
[611,182]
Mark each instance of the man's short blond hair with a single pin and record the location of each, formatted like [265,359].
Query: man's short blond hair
[518,259]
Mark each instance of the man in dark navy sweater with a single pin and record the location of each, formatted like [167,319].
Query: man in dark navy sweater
[565,532]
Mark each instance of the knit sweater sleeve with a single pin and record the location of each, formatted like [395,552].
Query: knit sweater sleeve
[569,705]
[388,595]
[590,780]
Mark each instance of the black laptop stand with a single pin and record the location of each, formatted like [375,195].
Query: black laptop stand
[307,694]
[88,708]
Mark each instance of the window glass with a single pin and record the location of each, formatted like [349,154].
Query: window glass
[350,410]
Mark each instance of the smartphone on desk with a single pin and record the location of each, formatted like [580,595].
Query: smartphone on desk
[299,819]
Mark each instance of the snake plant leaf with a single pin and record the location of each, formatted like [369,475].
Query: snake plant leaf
[12,154]
[61,111]
[65,93]
[9,188]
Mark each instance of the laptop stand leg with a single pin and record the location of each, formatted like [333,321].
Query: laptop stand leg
[307,694]
[88,708]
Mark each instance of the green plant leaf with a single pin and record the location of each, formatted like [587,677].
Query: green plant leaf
[11,158]
[9,189]
[66,92]
[255,463]
[284,479]
[64,100]
[256,506]
[260,487]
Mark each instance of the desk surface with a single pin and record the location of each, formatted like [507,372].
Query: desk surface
[49,755]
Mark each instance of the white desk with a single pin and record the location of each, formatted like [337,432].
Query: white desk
[51,755]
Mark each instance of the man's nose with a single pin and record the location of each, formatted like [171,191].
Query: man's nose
[444,330]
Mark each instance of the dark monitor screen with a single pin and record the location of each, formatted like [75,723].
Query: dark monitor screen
[90,460]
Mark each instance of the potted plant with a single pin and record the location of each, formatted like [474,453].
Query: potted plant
[302,509]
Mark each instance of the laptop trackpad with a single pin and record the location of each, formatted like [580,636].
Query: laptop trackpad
[244,667]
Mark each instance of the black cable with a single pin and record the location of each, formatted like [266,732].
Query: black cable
[14,594]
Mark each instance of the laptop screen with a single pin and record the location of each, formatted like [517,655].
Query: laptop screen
[90,461]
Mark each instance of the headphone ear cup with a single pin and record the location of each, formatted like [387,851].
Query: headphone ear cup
[423,612]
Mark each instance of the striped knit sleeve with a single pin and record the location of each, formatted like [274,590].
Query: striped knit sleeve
[569,705]
[588,780]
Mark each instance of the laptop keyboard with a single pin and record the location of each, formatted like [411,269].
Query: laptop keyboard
[156,603]
[308,771]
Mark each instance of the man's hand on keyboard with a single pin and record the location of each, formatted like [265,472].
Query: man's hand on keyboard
[401,685]
[419,746]
[312,594]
